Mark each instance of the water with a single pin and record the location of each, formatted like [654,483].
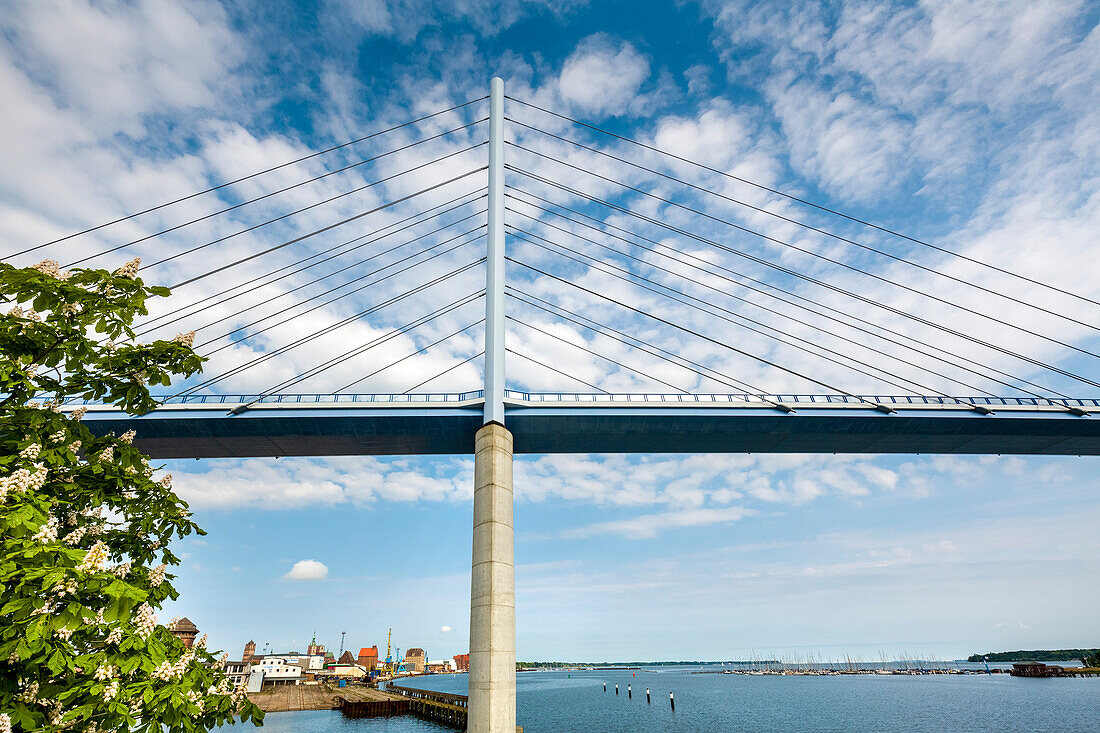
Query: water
[575,701]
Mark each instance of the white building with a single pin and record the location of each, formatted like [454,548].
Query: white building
[308,662]
[238,672]
[277,671]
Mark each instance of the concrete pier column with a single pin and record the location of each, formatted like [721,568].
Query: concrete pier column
[492,678]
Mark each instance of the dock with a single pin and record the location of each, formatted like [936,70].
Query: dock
[1037,669]
[441,707]
[287,698]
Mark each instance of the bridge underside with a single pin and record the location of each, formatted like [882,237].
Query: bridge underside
[333,430]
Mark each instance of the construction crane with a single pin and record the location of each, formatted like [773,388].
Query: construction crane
[392,668]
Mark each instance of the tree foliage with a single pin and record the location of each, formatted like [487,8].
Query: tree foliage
[85,524]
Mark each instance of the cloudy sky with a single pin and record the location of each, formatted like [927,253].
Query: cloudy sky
[973,127]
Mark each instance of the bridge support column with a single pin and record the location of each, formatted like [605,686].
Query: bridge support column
[492,678]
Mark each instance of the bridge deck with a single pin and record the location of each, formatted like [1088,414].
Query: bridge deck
[324,425]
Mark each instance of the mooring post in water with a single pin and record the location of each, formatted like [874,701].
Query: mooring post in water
[605,687]
[672,702]
[647,696]
[616,688]
[629,693]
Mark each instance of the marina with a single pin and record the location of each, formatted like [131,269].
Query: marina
[574,700]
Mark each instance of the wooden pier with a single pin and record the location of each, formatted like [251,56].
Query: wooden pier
[441,707]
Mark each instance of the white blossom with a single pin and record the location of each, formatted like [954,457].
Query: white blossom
[31,451]
[122,569]
[48,267]
[110,691]
[156,576]
[187,339]
[5,723]
[200,643]
[115,636]
[74,537]
[16,311]
[65,587]
[75,446]
[78,413]
[64,634]
[54,713]
[57,437]
[106,672]
[29,694]
[48,532]
[163,671]
[166,482]
[128,437]
[23,480]
[95,560]
[107,455]
[145,620]
[130,269]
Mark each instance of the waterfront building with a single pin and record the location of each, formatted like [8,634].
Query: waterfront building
[308,662]
[462,662]
[185,631]
[346,658]
[238,672]
[415,659]
[345,670]
[314,648]
[249,651]
[276,671]
[368,657]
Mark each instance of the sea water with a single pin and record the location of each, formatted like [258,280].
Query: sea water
[575,701]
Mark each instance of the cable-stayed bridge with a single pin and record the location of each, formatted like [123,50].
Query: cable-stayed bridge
[421,424]
[638,299]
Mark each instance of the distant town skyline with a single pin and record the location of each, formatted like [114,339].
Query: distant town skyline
[975,126]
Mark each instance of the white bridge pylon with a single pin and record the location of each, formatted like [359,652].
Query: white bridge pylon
[492,675]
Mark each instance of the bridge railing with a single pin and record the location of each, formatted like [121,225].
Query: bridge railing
[815,400]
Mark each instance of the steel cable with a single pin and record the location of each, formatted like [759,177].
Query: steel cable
[448,370]
[326,303]
[327,228]
[801,276]
[248,177]
[272,299]
[816,255]
[755,305]
[327,329]
[558,371]
[819,207]
[737,315]
[593,353]
[647,347]
[697,334]
[683,257]
[409,356]
[275,193]
[803,224]
[403,225]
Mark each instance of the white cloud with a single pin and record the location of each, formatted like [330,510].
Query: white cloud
[603,77]
[446,629]
[307,570]
[648,526]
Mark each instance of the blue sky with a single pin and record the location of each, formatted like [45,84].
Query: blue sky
[973,126]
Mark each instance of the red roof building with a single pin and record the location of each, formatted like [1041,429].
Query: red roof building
[368,657]
[462,662]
